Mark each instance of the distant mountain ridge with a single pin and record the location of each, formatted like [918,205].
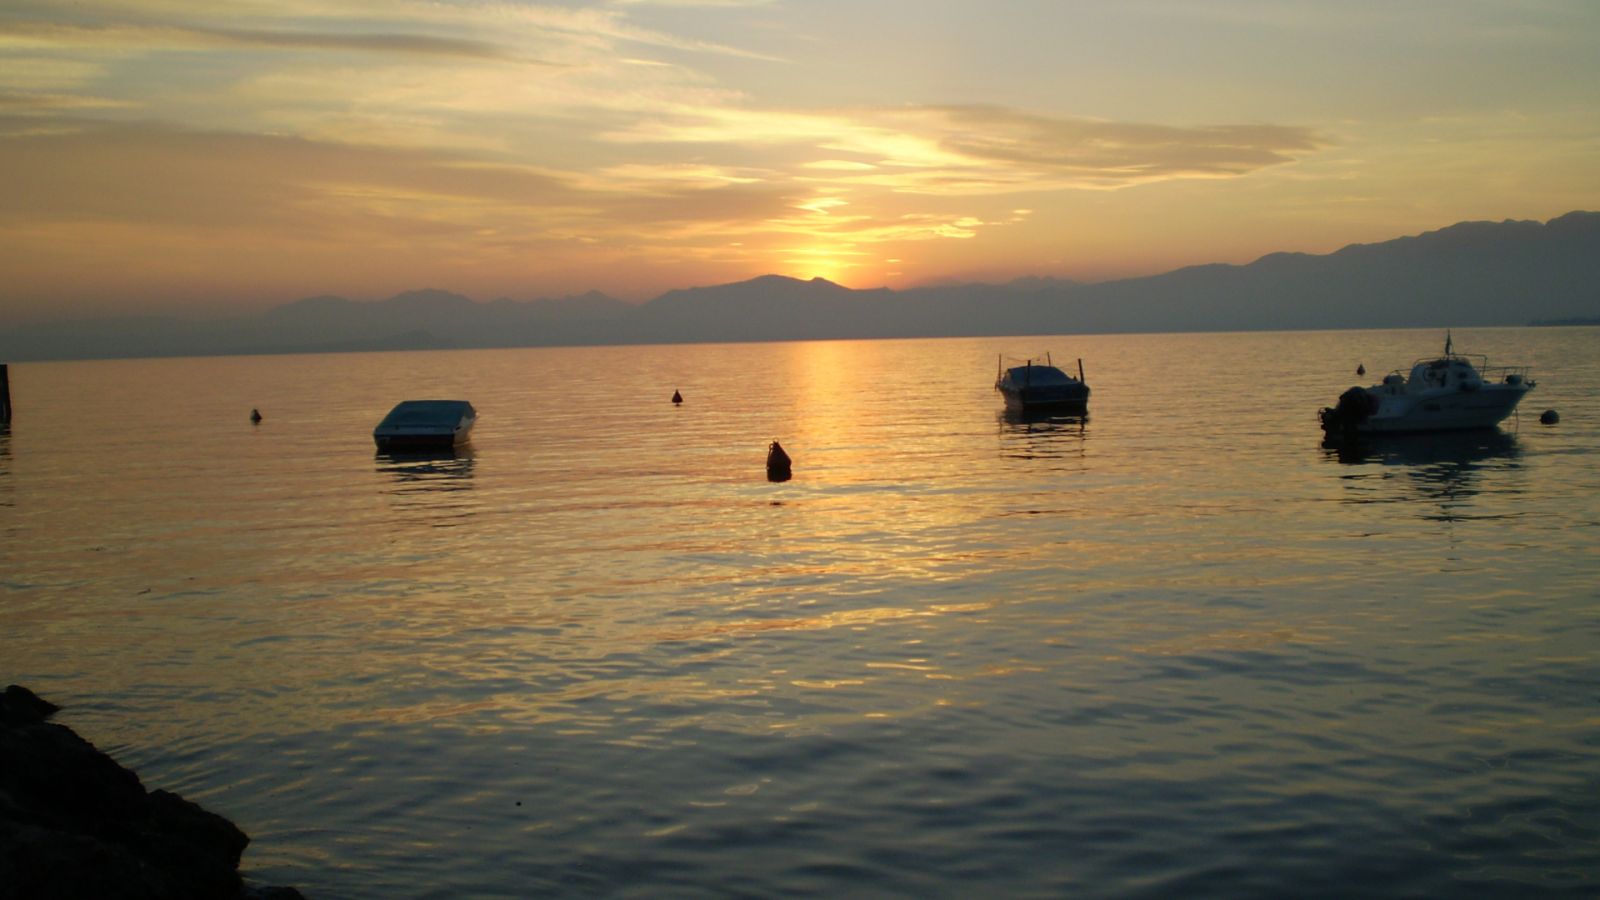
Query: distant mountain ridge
[1468,274]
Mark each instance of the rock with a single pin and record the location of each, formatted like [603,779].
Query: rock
[74,823]
[18,704]
[269,892]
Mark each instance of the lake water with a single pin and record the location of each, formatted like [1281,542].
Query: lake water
[1178,649]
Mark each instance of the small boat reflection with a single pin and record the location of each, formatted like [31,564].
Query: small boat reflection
[1446,469]
[431,487]
[1028,434]
[1458,448]
[441,469]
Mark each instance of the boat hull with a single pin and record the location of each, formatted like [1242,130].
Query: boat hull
[1459,411]
[1052,398]
[404,442]
[1448,414]
[425,425]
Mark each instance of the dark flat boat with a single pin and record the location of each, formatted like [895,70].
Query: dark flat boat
[425,425]
[1036,386]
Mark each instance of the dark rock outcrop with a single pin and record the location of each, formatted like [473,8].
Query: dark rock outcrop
[74,823]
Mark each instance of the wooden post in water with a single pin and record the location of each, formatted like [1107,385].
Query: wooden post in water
[5,394]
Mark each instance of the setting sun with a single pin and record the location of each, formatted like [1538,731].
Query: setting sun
[527,150]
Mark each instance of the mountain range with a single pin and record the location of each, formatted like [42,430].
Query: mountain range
[1469,274]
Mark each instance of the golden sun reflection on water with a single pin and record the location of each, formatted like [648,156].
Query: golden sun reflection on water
[842,619]
[606,610]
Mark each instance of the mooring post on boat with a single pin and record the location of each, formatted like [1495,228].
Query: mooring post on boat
[5,393]
[1080,368]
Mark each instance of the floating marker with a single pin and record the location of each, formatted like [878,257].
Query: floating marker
[1361,368]
[1549,417]
[255,416]
[5,394]
[677,397]
[778,465]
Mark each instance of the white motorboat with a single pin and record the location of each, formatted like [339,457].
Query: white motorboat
[1035,386]
[425,424]
[1448,393]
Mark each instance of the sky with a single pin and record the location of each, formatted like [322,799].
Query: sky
[204,158]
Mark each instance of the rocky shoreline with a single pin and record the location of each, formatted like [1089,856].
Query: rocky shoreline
[74,823]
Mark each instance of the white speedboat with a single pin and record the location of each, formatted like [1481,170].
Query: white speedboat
[1448,393]
[1035,386]
[425,424]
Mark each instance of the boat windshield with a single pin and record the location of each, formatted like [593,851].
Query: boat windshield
[1039,375]
[428,412]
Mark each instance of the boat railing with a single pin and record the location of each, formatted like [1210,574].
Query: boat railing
[1476,361]
[1042,359]
[1497,374]
[1489,374]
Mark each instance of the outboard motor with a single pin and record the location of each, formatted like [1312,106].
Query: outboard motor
[1354,407]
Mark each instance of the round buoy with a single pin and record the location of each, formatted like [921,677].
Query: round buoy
[677,397]
[255,415]
[1361,368]
[1549,417]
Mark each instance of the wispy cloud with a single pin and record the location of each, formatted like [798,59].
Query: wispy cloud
[644,134]
[152,38]
[709,4]
[36,101]
[944,149]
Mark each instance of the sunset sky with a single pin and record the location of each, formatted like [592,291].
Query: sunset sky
[173,156]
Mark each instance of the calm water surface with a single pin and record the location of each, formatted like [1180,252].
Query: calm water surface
[1177,649]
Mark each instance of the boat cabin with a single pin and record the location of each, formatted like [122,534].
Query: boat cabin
[1449,373]
[1038,376]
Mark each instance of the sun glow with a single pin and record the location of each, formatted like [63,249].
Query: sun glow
[831,262]
[531,150]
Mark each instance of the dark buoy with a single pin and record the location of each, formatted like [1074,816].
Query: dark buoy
[255,416]
[1549,417]
[1361,368]
[777,463]
[677,397]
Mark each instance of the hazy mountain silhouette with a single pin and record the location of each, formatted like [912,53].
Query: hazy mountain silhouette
[1469,274]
